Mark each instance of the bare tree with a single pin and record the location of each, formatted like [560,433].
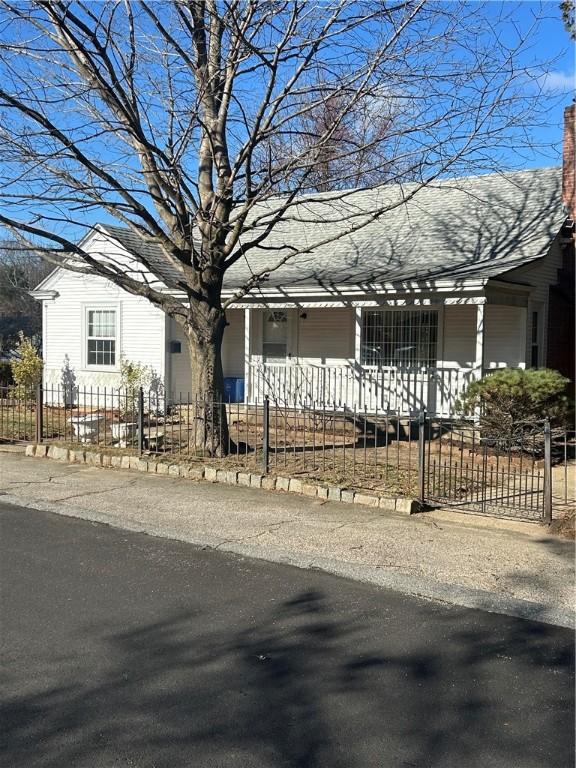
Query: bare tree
[164,116]
[360,145]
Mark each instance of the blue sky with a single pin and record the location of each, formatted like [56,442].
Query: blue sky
[551,42]
[512,22]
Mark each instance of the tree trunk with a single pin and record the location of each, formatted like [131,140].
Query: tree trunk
[209,426]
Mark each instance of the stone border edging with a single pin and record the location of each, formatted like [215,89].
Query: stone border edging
[397,504]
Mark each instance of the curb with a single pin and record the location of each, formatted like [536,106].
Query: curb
[441,592]
[395,504]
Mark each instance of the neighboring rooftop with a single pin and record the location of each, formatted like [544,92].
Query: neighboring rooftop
[476,227]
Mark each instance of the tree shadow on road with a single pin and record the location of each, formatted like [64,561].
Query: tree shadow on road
[301,684]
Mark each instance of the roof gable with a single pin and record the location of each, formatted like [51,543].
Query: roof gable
[50,282]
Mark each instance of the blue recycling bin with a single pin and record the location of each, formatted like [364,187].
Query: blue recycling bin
[234,389]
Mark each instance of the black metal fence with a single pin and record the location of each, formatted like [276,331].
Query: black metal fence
[491,474]
[438,461]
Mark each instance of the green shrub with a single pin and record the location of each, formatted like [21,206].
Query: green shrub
[133,376]
[26,367]
[513,403]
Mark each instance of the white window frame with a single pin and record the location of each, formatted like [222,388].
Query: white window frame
[538,310]
[96,307]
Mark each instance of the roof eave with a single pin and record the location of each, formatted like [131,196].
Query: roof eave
[360,289]
[44,295]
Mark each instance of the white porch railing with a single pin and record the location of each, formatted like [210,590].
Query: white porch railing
[401,391]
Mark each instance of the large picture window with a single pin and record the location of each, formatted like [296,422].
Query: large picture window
[101,337]
[400,338]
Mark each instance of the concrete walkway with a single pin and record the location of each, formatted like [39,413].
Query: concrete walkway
[513,568]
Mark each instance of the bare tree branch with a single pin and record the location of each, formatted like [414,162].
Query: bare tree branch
[205,126]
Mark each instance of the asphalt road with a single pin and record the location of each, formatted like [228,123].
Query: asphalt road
[120,649]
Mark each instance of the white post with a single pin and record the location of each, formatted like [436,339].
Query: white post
[480,333]
[356,395]
[479,357]
[525,346]
[247,378]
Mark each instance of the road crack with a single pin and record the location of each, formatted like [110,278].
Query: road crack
[271,529]
[94,493]
[355,521]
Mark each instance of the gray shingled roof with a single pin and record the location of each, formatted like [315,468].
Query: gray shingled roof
[147,249]
[469,228]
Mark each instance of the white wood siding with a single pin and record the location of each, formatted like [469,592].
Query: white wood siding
[458,346]
[232,352]
[541,274]
[504,336]
[178,363]
[325,336]
[140,329]
[233,343]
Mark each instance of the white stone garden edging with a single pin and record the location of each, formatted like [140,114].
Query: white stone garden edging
[304,487]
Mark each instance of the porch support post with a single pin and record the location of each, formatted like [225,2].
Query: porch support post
[356,395]
[247,378]
[523,352]
[480,333]
[479,356]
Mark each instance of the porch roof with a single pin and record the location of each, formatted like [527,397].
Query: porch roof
[454,231]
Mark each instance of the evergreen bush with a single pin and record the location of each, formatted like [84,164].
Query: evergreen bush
[513,403]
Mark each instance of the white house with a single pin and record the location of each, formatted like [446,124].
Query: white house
[401,315]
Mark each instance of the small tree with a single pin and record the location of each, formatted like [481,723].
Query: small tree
[514,402]
[133,376]
[26,367]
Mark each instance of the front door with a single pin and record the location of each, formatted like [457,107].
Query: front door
[275,374]
[275,337]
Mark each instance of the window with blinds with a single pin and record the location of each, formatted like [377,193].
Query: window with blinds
[101,337]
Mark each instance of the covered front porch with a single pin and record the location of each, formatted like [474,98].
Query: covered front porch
[395,390]
[379,354]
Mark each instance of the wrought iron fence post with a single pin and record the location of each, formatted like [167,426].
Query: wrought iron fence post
[547,473]
[140,421]
[266,435]
[422,456]
[39,412]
